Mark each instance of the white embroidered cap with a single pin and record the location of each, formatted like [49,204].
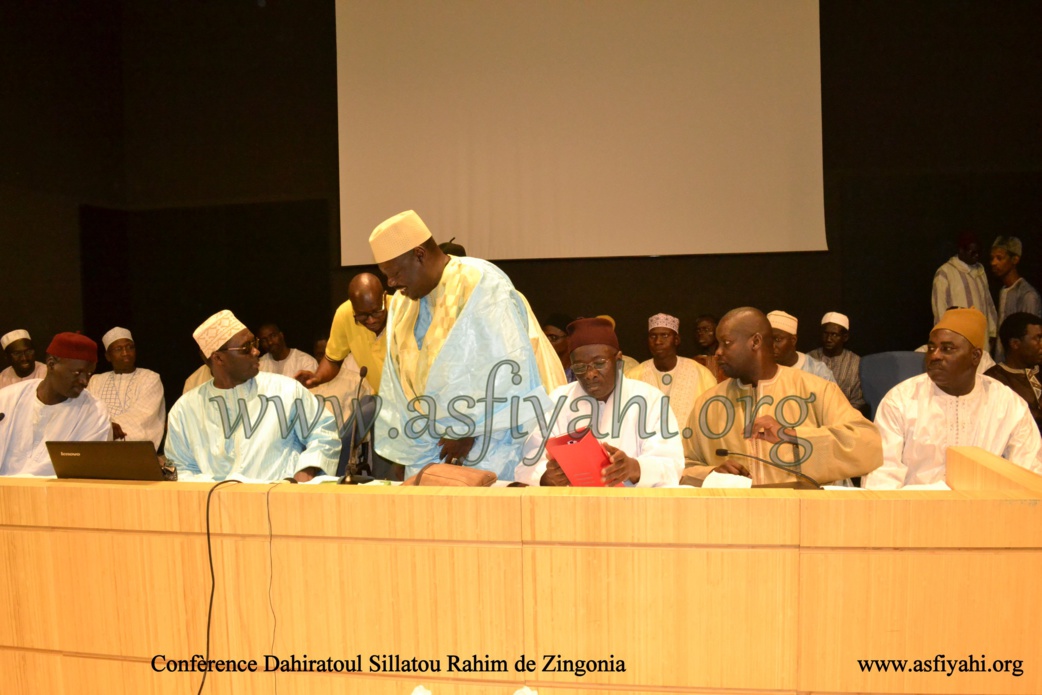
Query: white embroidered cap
[216,331]
[664,321]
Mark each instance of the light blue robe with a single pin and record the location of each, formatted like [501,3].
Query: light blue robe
[491,330]
[209,439]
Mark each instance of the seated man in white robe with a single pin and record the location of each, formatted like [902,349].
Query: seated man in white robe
[21,355]
[680,379]
[133,395]
[951,405]
[784,326]
[279,358]
[791,418]
[243,423]
[630,418]
[52,409]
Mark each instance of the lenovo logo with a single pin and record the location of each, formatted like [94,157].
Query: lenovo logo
[70,453]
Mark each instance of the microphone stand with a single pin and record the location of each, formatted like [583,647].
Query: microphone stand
[806,479]
[353,475]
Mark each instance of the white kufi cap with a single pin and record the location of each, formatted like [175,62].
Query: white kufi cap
[836,318]
[783,321]
[115,334]
[9,338]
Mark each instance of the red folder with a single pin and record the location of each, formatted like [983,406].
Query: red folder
[580,456]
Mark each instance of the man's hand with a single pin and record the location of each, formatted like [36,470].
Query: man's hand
[620,467]
[455,450]
[733,467]
[306,378]
[306,474]
[117,431]
[554,476]
[767,428]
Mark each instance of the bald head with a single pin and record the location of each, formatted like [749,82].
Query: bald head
[747,320]
[745,350]
[368,301]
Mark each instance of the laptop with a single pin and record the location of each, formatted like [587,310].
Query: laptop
[105,460]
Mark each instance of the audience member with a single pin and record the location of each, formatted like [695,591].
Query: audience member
[783,327]
[556,330]
[1021,336]
[951,405]
[961,282]
[680,379]
[52,409]
[844,364]
[627,416]
[280,358]
[255,425]
[1016,294]
[133,396]
[774,412]
[22,355]
[705,337]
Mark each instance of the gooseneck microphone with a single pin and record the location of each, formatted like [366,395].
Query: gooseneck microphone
[811,481]
[353,475]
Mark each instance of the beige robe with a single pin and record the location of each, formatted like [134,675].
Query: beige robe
[838,441]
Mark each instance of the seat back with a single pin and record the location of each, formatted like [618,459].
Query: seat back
[885,370]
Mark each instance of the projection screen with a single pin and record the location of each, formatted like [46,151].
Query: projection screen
[582,128]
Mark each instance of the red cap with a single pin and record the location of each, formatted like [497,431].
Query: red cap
[73,346]
[595,331]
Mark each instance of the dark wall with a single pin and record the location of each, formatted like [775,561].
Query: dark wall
[930,126]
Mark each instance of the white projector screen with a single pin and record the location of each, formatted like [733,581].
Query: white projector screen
[582,128]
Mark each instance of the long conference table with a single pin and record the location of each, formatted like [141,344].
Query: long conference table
[763,591]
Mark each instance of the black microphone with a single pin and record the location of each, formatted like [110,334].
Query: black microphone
[354,476]
[2,416]
[772,464]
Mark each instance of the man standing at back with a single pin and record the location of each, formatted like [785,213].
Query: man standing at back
[1016,295]
[961,282]
[458,344]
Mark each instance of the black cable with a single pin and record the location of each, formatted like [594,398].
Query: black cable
[271,581]
[213,580]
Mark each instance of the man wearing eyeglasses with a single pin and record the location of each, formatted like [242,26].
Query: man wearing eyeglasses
[245,423]
[357,332]
[462,344]
[21,355]
[631,419]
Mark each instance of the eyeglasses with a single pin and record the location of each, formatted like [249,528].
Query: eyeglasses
[580,368]
[366,316]
[244,349]
[26,353]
